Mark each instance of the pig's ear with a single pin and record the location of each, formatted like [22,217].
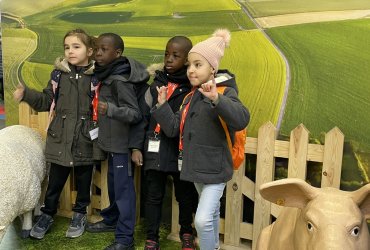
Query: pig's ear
[362,198]
[290,192]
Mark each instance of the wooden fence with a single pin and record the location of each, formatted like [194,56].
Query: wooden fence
[298,151]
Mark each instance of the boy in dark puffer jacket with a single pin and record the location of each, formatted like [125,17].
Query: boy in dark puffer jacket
[161,152]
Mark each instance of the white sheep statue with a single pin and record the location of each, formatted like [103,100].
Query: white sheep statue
[22,171]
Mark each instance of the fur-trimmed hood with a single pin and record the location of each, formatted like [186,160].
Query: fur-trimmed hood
[62,64]
[154,67]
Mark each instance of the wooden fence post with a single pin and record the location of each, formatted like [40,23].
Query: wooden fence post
[264,173]
[234,207]
[297,166]
[333,154]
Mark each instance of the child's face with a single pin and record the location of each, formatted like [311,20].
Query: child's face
[199,70]
[175,57]
[76,52]
[105,51]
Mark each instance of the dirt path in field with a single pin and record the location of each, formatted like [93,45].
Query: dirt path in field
[311,17]
[287,71]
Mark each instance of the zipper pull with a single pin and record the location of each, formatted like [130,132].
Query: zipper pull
[76,76]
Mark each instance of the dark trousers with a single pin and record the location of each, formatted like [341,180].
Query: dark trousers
[122,198]
[57,178]
[185,194]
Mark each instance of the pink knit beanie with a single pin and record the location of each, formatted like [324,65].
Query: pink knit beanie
[213,48]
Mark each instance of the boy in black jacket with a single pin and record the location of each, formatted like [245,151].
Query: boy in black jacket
[161,152]
[117,109]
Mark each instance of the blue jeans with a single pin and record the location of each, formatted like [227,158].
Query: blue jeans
[207,218]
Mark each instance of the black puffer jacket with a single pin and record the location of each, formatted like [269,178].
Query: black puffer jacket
[68,141]
[166,159]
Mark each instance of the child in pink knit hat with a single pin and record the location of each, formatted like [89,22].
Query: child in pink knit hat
[205,158]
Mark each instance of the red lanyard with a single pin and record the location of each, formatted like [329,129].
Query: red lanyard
[170,89]
[95,102]
[183,117]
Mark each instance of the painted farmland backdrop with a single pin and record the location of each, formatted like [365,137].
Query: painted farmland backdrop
[296,61]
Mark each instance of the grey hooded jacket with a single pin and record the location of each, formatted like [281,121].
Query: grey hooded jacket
[206,156]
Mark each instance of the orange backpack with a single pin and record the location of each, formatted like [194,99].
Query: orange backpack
[237,149]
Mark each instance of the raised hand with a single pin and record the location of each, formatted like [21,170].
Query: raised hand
[102,108]
[19,92]
[162,94]
[209,90]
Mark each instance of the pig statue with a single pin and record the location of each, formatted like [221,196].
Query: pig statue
[316,218]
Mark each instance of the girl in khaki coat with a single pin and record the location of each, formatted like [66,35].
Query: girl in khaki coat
[69,96]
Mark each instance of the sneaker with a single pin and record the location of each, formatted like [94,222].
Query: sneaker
[43,224]
[151,245]
[119,246]
[77,225]
[188,242]
[99,227]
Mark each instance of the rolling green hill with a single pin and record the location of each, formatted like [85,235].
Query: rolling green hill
[24,8]
[330,83]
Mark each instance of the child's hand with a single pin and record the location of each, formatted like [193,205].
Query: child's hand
[137,157]
[19,93]
[209,90]
[162,94]
[102,108]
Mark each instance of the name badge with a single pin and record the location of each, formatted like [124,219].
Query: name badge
[94,133]
[179,161]
[153,145]
[179,164]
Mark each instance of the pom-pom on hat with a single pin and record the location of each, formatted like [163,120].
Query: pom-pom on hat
[213,48]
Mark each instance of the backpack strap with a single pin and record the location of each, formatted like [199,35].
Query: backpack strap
[221,90]
[55,78]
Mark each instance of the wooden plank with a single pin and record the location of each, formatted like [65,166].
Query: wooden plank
[248,188]
[42,123]
[24,111]
[333,154]
[97,179]
[95,201]
[264,173]
[246,230]
[315,152]
[175,227]
[297,165]
[281,149]
[251,146]
[104,184]
[234,207]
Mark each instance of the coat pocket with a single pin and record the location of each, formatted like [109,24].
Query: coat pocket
[208,159]
[54,141]
[55,130]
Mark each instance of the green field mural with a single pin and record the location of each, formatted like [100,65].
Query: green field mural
[315,74]
[328,70]
[330,84]
[260,70]
[260,8]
